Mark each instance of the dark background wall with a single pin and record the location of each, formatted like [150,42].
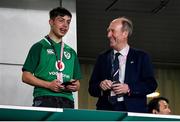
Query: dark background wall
[156,27]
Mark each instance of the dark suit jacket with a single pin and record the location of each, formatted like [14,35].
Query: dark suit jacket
[138,75]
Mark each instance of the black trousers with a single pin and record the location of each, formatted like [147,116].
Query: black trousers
[53,101]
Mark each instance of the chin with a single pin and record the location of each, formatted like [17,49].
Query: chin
[61,35]
[111,45]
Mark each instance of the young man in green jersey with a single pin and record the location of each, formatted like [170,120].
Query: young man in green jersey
[52,66]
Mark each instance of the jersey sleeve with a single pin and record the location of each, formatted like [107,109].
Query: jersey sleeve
[33,58]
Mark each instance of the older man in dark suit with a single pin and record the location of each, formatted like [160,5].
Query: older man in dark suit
[122,76]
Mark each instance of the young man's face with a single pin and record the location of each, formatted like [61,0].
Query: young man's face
[60,25]
[164,107]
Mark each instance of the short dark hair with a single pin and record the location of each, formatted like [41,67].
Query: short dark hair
[154,103]
[59,11]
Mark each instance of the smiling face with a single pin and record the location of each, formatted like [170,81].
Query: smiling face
[117,37]
[60,26]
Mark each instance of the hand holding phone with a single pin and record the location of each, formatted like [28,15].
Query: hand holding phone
[115,82]
[68,83]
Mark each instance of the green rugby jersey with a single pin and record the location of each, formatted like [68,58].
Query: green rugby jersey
[42,62]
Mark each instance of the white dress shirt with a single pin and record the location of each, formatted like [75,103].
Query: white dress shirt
[122,66]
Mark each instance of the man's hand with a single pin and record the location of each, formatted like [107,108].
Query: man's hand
[105,85]
[120,88]
[55,86]
[74,86]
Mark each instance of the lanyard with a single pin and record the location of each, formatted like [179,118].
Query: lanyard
[59,62]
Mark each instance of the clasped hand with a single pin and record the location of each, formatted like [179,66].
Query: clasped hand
[117,88]
[57,86]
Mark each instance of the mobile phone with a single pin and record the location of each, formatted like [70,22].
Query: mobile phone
[115,82]
[66,83]
[69,82]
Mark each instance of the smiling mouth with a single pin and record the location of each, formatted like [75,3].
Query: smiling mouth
[63,31]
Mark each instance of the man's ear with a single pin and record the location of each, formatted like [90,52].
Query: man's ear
[125,33]
[51,22]
[154,111]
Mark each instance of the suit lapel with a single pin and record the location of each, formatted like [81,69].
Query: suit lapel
[108,62]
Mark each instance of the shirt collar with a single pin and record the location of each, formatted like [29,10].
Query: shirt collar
[124,51]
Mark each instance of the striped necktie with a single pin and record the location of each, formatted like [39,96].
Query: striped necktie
[116,67]
[115,77]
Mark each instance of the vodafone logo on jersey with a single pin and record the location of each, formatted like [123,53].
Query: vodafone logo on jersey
[60,65]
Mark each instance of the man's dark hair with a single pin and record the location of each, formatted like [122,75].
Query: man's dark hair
[59,11]
[154,103]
